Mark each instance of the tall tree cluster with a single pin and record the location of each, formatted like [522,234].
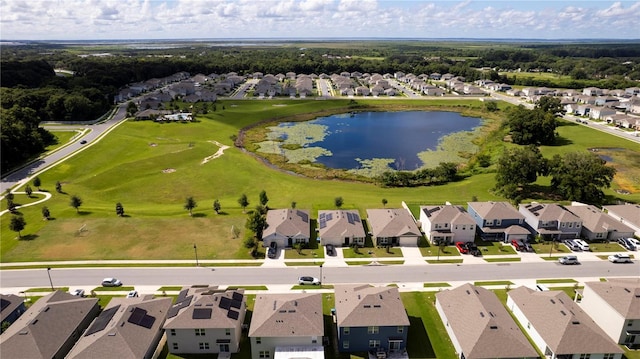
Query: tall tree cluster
[531,127]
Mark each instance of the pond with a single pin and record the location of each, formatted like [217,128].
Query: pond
[387,140]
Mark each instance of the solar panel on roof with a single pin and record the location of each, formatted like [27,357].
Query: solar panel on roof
[321,216]
[329,216]
[236,304]
[225,303]
[536,208]
[4,303]
[182,295]
[147,321]
[233,314]
[103,319]
[356,218]
[140,317]
[202,313]
[237,296]
[173,311]
[303,216]
[349,218]
[323,224]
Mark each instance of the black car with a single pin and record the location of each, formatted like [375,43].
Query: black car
[472,249]
[83,142]
[273,250]
[331,250]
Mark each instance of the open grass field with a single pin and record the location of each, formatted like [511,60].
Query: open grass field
[151,168]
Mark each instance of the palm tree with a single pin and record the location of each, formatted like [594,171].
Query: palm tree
[190,204]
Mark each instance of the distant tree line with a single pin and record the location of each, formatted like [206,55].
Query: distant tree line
[445,172]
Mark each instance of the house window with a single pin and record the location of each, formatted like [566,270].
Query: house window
[175,346]
[374,343]
[400,329]
[345,344]
[456,226]
[630,323]
[585,356]
[346,330]
[227,331]
[608,356]
[570,225]
[172,332]
[446,225]
[264,354]
[498,222]
[204,346]
[373,330]
[258,340]
[200,333]
[562,225]
[464,227]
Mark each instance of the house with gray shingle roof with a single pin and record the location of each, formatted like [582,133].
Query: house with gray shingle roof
[551,221]
[597,225]
[286,322]
[628,214]
[480,326]
[447,224]
[615,306]
[559,327]
[286,227]
[393,226]
[11,308]
[205,320]
[50,327]
[340,227]
[370,318]
[498,221]
[126,328]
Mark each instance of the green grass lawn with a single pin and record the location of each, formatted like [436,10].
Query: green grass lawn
[552,281]
[546,249]
[494,260]
[306,253]
[494,248]
[432,251]
[371,252]
[444,261]
[606,247]
[494,282]
[436,284]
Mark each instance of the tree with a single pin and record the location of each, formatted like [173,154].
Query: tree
[550,104]
[76,202]
[243,201]
[256,222]
[28,190]
[293,204]
[58,187]
[263,198]
[190,204]
[528,127]
[17,224]
[45,213]
[338,201]
[216,206]
[491,106]
[119,209]
[580,176]
[131,108]
[517,168]
[37,182]
[384,202]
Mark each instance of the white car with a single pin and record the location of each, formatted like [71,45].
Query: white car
[620,258]
[582,244]
[634,242]
[111,282]
[78,292]
[132,294]
[568,260]
[308,281]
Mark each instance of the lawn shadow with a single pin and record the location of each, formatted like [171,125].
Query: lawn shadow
[561,141]
[28,237]
[418,342]
[222,213]
[84,213]
[199,215]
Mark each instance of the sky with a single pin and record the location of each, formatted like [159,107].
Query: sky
[235,19]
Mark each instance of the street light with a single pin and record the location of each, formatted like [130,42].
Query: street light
[195,249]
[49,274]
[321,279]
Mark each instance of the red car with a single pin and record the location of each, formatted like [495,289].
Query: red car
[462,247]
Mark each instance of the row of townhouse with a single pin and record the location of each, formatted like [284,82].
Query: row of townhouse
[206,320]
[499,221]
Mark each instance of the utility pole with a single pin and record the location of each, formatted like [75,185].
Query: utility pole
[195,249]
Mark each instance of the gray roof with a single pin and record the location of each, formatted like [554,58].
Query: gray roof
[287,315]
[339,225]
[629,212]
[447,214]
[288,223]
[597,221]
[362,305]
[10,302]
[186,315]
[482,325]
[495,210]
[43,330]
[390,222]
[547,212]
[562,324]
[126,328]
[622,294]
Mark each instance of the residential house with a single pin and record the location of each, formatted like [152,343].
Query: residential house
[480,326]
[432,90]
[393,226]
[599,112]
[370,319]
[435,76]
[628,214]
[50,327]
[559,327]
[498,221]
[206,320]
[592,91]
[285,323]
[447,224]
[286,227]
[126,328]
[615,305]
[551,221]
[11,308]
[597,225]
[340,227]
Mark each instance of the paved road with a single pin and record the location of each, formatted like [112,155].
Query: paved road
[95,132]
[75,277]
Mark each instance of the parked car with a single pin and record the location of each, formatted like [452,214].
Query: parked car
[111,282]
[568,260]
[528,247]
[635,242]
[518,245]
[472,249]
[626,244]
[83,142]
[462,247]
[572,245]
[272,251]
[78,292]
[132,294]
[331,250]
[620,258]
[584,246]
[308,281]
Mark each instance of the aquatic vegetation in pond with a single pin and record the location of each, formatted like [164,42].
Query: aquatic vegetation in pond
[456,147]
[373,167]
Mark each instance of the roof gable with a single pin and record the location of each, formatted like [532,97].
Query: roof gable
[288,223]
[392,223]
[622,294]
[287,315]
[363,305]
